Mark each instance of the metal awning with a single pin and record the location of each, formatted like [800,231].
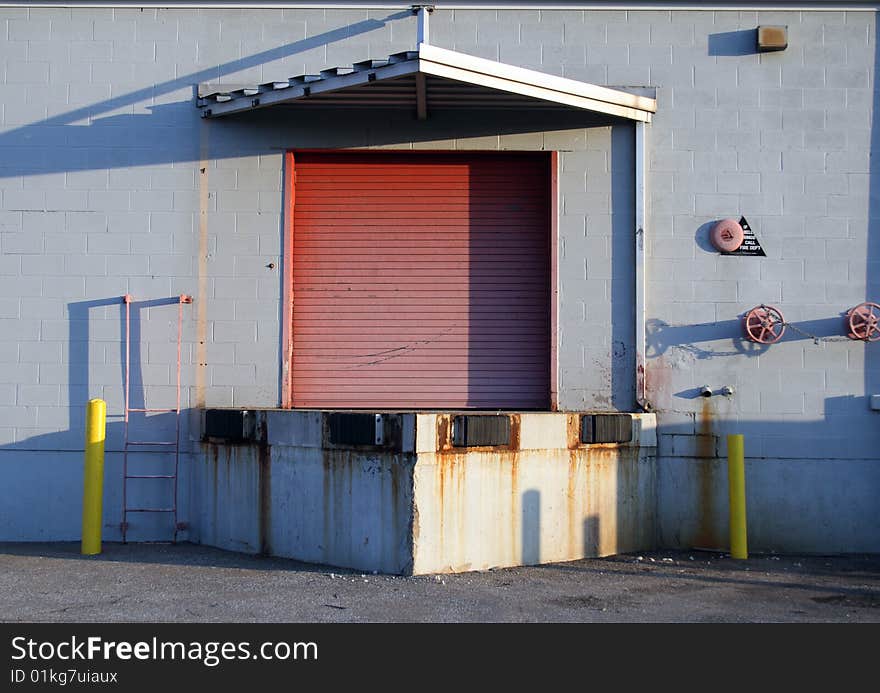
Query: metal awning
[427,79]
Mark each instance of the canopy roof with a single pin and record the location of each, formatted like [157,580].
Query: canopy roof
[426,79]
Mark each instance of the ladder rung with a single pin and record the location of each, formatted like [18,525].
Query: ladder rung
[152,452]
[153,410]
[150,476]
[149,510]
[150,442]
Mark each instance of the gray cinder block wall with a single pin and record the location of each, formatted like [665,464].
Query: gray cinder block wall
[111,184]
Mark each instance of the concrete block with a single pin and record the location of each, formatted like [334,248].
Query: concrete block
[848,76]
[804,76]
[150,287]
[85,265]
[522,141]
[854,162]
[151,200]
[240,374]
[37,352]
[847,120]
[787,402]
[803,291]
[759,119]
[294,428]
[236,288]
[543,431]
[90,51]
[673,161]
[741,183]
[171,222]
[804,119]
[426,433]
[21,243]
[108,243]
[234,331]
[18,417]
[28,30]
[37,395]
[735,99]
[62,287]
[24,200]
[645,429]
[699,446]
[88,180]
[715,204]
[9,308]
[178,178]
[690,139]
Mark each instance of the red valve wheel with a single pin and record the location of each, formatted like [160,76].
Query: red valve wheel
[863,320]
[764,325]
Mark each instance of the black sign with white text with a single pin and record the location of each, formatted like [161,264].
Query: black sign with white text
[750,245]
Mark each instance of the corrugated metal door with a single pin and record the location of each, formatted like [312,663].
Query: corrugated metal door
[421,280]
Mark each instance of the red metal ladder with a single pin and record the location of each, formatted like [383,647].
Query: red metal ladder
[168,447]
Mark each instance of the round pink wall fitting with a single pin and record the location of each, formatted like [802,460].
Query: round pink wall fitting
[727,235]
[764,324]
[863,321]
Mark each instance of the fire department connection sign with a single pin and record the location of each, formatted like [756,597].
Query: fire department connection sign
[746,243]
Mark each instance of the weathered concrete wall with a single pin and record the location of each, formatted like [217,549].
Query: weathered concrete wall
[793,506]
[546,499]
[42,497]
[45,482]
[228,509]
[294,496]
[423,508]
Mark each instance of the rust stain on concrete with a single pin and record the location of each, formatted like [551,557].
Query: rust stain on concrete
[707,532]
[573,431]
[264,471]
[571,504]
[444,433]
[326,491]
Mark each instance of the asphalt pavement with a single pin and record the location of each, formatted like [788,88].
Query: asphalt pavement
[189,583]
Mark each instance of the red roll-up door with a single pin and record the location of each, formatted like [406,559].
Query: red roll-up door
[421,280]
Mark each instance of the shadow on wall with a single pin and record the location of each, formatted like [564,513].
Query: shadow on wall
[741,42]
[90,345]
[622,249]
[872,260]
[170,132]
[42,488]
[531,527]
[58,144]
[661,337]
[43,485]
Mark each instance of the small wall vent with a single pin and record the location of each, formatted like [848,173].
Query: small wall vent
[471,431]
[344,428]
[606,428]
[231,425]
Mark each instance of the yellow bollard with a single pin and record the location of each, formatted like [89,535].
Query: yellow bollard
[736,484]
[93,487]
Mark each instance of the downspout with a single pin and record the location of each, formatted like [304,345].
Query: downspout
[641,344]
[422,12]
[423,38]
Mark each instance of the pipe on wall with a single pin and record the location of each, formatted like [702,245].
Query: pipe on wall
[641,346]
